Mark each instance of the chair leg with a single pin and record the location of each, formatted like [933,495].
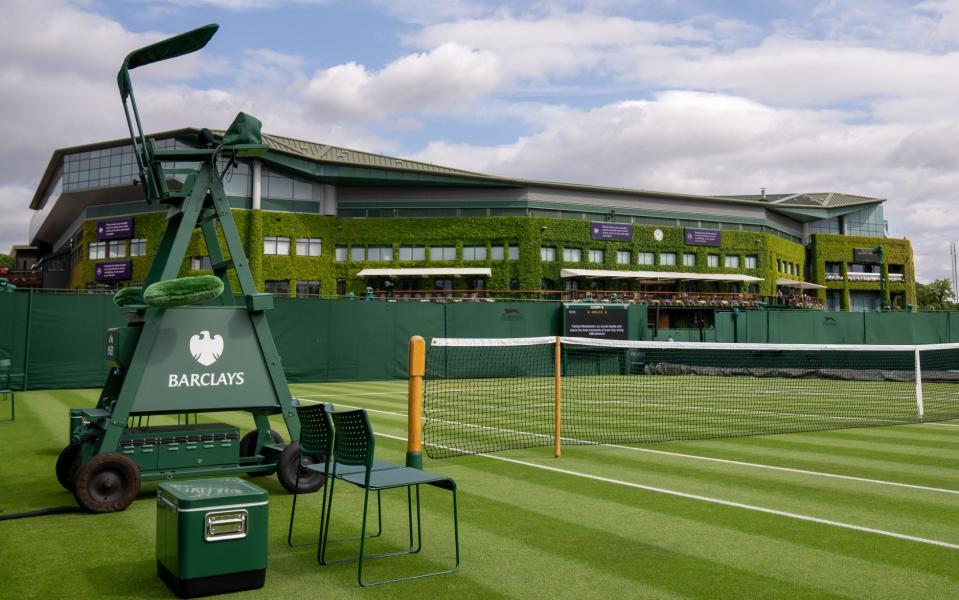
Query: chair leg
[325,523]
[289,535]
[456,542]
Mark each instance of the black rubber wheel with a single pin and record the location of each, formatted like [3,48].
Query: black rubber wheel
[107,482]
[248,446]
[65,464]
[289,462]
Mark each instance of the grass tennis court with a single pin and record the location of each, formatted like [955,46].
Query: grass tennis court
[849,513]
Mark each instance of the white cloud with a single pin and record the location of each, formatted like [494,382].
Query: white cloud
[448,78]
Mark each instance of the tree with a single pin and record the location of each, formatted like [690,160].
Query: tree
[937,295]
[6,261]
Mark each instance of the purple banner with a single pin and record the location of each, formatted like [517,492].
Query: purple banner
[622,232]
[702,237]
[113,271]
[115,228]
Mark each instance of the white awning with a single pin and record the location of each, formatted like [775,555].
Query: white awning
[659,275]
[450,272]
[800,285]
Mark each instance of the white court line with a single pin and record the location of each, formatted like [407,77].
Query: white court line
[710,500]
[700,457]
[398,394]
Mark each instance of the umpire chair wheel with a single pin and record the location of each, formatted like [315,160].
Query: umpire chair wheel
[289,463]
[107,482]
[65,464]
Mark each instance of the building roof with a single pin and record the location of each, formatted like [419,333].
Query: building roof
[810,200]
[338,155]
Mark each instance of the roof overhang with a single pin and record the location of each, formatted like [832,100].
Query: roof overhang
[799,285]
[453,272]
[659,275]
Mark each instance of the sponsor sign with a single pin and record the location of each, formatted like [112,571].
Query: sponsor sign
[597,321]
[115,229]
[702,237]
[621,232]
[117,270]
[865,255]
[204,356]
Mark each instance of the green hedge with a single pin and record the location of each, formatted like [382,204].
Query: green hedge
[529,233]
[839,248]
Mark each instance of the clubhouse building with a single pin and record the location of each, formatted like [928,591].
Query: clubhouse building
[320,220]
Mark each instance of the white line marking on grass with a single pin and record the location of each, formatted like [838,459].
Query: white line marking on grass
[940,424]
[720,501]
[698,457]
[399,394]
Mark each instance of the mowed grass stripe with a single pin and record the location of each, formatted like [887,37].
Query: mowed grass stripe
[654,531]
[862,507]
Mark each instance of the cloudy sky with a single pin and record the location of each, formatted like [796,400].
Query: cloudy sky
[697,96]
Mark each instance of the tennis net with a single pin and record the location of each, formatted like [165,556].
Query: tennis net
[488,395]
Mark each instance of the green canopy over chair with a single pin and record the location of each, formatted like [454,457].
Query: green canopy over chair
[353,447]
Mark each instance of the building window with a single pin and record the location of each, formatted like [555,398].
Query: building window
[644,258]
[412,253]
[340,287]
[138,247]
[623,257]
[117,248]
[751,262]
[442,253]
[689,259]
[596,256]
[547,254]
[277,286]
[379,253]
[667,259]
[200,263]
[574,255]
[868,222]
[340,254]
[307,288]
[833,299]
[98,250]
[514,284]
[276,246]
[357,253]
[495,253]
[546,284]
[477,253]
[309,247]
[712,260]
[443,284]
[831,226]
[732,262]
[476,283]
[513,252]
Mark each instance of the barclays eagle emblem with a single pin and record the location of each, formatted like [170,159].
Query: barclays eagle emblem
[205,349]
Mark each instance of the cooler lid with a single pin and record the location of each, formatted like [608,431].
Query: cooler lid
[201,493]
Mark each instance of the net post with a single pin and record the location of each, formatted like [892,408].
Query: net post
[920,409]
[417,369]
[557,405]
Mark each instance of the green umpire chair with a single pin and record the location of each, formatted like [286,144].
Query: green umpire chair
[354,446]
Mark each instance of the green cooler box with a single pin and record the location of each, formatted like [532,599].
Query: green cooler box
[211,536]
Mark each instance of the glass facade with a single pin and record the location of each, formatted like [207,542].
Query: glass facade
[867,222]
[832,226]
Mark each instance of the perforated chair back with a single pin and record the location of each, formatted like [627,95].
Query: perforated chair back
[316,430]
[354,443]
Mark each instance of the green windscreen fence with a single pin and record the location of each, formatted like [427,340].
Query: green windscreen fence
[57,341]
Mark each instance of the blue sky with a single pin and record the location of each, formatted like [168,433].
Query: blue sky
[704,97]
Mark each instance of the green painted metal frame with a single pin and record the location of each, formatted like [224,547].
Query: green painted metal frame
[199,203]
[355,447]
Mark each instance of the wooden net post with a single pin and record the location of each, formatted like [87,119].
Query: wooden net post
[557,386]
[417,369]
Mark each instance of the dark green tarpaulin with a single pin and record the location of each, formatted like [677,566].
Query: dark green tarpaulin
[60,338]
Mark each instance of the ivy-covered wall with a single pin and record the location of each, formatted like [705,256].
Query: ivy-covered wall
[530,234]
[839,249]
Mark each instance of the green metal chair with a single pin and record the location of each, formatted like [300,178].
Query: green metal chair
[315,454]
[6,387]
[354,447]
